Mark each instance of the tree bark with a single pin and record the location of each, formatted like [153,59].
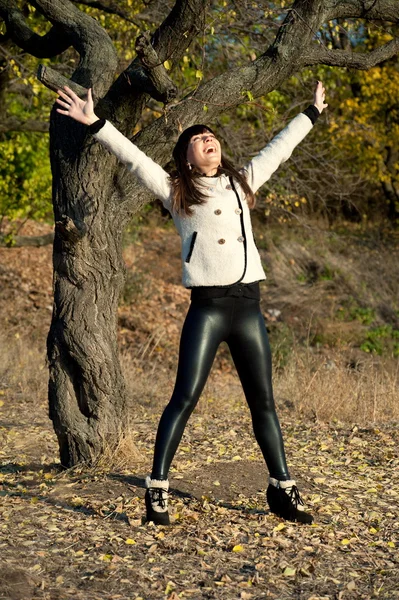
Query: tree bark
[87,395]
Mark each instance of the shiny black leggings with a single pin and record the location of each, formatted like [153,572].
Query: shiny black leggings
[239,322]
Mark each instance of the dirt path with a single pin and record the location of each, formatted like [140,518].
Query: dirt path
[80,534]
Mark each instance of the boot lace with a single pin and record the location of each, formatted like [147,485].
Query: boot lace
[294,496]
[157,497]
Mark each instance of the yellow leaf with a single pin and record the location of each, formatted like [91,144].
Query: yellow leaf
[238,548]
[319,479]
[161,534]
[216,483]
[279,527]
[106,557]
[34,500]
[351,586]
[289,572]
[391,544]
[77,501]
[170,586]
[130,541]
[167,65]
[59,579]
[345,542]
[372,530]
[199,74]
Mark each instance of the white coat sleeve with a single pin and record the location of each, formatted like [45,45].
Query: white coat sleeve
[148,172]
[264,164]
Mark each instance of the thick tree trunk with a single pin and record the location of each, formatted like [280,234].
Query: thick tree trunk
[87,395]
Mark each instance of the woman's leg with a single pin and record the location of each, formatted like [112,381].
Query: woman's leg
[249,346]
[250,349]
[204,328]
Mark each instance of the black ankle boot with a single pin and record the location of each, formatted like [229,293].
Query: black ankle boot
[156,501]
[284,501]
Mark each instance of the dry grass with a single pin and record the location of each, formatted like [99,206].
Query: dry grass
[23,368]
[322,282]
[330,389]
[311,384]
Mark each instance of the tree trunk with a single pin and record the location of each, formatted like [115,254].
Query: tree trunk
[87,395]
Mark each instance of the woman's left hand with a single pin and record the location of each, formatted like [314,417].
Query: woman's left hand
[319,97]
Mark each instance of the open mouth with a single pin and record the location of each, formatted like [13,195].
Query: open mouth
[209,150]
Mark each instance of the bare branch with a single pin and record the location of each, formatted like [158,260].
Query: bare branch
[156,72]
[54,81]
[170,41]
[98,58]
[374,10]
[18,241]
[51,44]
[354,60]
[14,124]
[109,7]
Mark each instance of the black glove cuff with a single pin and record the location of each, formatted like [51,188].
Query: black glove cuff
[96,126]
[312,112]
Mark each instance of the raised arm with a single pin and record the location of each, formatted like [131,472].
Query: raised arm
[264,164]
[142,166]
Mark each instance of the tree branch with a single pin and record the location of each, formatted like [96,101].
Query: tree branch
[18,241]
[98,58]
[164,88]
[51,44]
[109,7]
[355,60]
[170,41]
[374,10]
[14,124]
[55,81]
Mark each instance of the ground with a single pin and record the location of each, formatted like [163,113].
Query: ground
[80,533]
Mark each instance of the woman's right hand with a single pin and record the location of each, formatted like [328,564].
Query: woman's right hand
[80,110]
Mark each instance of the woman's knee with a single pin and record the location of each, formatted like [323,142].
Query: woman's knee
[184,402]
[262,405]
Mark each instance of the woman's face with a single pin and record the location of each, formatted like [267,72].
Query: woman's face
[204,152]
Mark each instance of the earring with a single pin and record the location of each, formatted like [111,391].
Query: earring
[189,166]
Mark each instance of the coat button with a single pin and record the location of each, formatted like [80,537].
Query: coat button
[238,211]
[240,239]
[218,211]
[228,187]
[221,241]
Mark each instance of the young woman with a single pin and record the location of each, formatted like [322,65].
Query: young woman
[209,201]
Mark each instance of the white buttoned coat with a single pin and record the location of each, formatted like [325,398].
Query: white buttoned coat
[218,247]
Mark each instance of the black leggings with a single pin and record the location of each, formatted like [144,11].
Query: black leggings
[239,322]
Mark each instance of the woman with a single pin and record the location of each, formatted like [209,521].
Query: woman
[209,201]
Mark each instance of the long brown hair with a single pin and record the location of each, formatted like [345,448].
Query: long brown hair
[185,191]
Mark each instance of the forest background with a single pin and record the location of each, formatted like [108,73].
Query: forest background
[327,229]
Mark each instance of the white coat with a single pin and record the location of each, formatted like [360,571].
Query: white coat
[218,248]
